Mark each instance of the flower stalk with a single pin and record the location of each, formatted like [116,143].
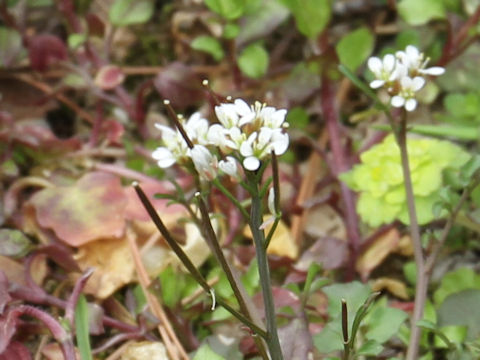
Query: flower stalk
[256,219]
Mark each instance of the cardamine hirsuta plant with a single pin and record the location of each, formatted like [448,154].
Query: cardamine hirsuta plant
[402,177]
[241,145]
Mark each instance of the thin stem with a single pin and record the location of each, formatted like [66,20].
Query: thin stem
[273,342]
[232,198]
[73,299]
[240,293]
[421,285]
[186,260]
[276,199]
[346,344]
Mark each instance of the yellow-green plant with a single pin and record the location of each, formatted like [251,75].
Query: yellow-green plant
[379,179]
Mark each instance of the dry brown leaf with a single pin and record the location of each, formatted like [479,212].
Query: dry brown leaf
[145,350]
[393,286]
[405,246]
[53,351]
[282,243]
[377,252]
[14,271]
[323,221]
[113,265]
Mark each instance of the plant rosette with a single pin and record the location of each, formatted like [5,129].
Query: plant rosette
[379,179]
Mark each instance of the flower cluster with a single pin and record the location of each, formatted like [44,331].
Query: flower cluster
[245,134]
[379,179]
[402,75]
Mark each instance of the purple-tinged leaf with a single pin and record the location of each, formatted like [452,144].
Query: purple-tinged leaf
[45,50]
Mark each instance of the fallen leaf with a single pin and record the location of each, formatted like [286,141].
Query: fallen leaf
[329,252]
[109,77]
[282,242]
[14,271]
[90,209]
[145,350]
[378,250]
[53,351]
[113,265]
[393,286]
[405,246]
[323,221]
[14,243]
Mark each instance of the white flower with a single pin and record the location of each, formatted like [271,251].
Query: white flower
[197,128]
[229,166]
[406,96]
[205,162]
[416,62]
[164,157]
[384,70]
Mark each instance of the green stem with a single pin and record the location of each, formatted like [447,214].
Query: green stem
[188,263]
[239,292]
[422,283]
[232,198]
[273,342]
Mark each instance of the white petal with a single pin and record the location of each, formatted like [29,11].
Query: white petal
[375,84]
[417,83]
[164,157]
[397,101]
[242,107]
[406,82]
[229,166]
[375,64]
[280,145]
[434,71]
[412,52]
[389,62]
[411,104]
[251,163]
[246,149]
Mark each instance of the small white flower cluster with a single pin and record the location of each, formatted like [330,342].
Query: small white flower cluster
[402,75]
[245,134]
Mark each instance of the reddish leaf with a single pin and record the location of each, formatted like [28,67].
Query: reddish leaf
[136,211]
[179,84]
[16,351]
[114,131]
[96,26]
[296,340]
[44,50]
[91,209]
[109,77]
[8,327]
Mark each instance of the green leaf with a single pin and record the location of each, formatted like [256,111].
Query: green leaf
[354,48]
[14,243]
[383,323]
[230,31]
[251,278]
[172,282]
[456,281]
[75,40]
[209,45]
[370,348]
[130,12]
[298,118]
[10,46]
[311,16]
[253,61]
[82,328]
[355,293]
[229,9]
[330,338]
[206,353]
[420,12]
[460,309]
